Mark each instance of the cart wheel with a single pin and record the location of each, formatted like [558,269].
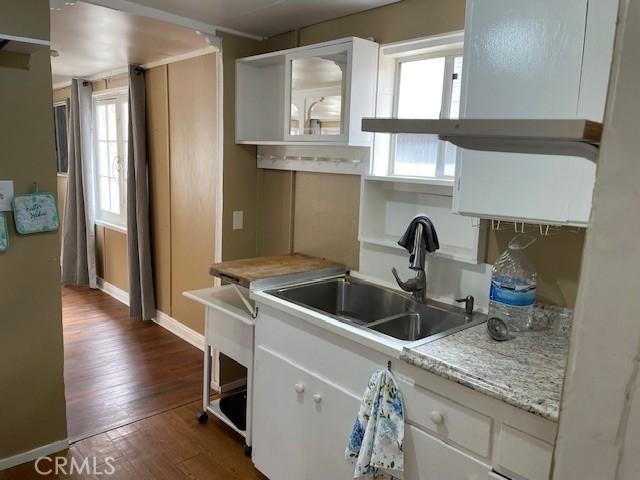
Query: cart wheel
[247,450]
[202,417]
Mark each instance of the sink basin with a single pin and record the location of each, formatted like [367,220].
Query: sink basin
[424,322]
[379,309]
[358,302]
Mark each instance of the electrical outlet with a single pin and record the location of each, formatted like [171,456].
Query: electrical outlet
[238,219]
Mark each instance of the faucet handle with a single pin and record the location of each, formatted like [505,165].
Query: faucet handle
[410,285]
[468,303]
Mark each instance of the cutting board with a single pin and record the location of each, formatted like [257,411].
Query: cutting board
[261,271]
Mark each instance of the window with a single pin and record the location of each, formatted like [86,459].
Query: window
[60,130]
[111,117]
[427,86]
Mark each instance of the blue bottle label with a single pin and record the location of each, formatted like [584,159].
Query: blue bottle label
[512,294]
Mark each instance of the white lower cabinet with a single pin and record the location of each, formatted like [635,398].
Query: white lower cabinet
[427,458]
[307,388]
[301,422]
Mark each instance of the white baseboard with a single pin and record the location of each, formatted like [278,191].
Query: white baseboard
[113,291]
[179,329]
[31,455]
[165,321]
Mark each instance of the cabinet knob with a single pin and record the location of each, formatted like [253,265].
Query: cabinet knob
[436,417]
[317,398]
[299,387]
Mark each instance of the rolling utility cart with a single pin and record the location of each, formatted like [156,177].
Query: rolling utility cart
[230,318]
[228,329]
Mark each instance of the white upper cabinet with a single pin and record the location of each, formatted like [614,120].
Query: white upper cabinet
[540,60]
[309,95]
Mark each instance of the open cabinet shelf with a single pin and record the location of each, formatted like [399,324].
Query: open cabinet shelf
[388,205]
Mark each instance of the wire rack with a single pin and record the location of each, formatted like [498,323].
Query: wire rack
[544,230]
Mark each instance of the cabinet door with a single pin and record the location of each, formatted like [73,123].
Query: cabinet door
[427,458]
[296,433]
[522,59]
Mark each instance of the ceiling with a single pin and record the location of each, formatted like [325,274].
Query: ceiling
[263,17]
[100,36]
[91,40]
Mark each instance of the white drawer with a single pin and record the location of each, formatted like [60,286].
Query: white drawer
[521,456]
[449,420]
[427,458]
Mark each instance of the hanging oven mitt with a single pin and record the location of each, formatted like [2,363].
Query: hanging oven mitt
[376,442]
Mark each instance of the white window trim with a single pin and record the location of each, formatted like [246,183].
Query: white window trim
[111,226]
[431,46]
[104,218]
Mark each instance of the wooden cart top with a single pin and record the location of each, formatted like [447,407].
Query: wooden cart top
[247,271]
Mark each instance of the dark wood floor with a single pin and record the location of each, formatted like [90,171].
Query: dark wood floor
[168,446]
[119,370]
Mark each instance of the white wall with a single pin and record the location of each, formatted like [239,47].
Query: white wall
[599,433]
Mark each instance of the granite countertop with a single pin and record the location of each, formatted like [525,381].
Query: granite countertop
[526,372]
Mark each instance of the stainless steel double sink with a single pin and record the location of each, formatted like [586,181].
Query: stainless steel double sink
[379,309]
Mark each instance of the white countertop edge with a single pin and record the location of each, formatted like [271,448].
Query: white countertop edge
[358,335]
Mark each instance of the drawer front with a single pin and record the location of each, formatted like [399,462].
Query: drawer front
[427,458]
[449,420]
[521,456]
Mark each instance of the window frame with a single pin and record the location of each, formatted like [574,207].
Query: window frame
[449,54]
[120,97]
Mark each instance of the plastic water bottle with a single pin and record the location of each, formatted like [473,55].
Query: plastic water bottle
[513,288]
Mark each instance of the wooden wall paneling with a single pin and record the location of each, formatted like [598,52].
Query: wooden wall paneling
[275,208]
[160,182]
[326,216]
[116,269]
[240,172]
[193,157]
[62,94]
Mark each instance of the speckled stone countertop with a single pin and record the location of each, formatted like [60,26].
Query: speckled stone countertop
[526,372]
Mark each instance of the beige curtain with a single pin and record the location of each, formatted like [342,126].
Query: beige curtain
[141,292]
[78,229]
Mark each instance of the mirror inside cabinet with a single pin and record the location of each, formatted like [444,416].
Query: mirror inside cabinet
[317,94]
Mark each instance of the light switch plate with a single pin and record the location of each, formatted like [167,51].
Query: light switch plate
[238,219]
[6,195]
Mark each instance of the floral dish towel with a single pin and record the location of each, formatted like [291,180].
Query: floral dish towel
[376,442]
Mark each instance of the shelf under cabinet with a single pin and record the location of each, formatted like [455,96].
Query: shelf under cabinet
[569,137]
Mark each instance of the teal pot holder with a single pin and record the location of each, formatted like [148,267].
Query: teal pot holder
[4,233]
[35,213]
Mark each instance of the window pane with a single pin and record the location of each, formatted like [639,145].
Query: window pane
[454,111]
[450,151]
[103,159]
[113,160]
[416,155]
[101,111]
[114,194]
[112,126]
[103,190]
[60,123]
[420,92]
